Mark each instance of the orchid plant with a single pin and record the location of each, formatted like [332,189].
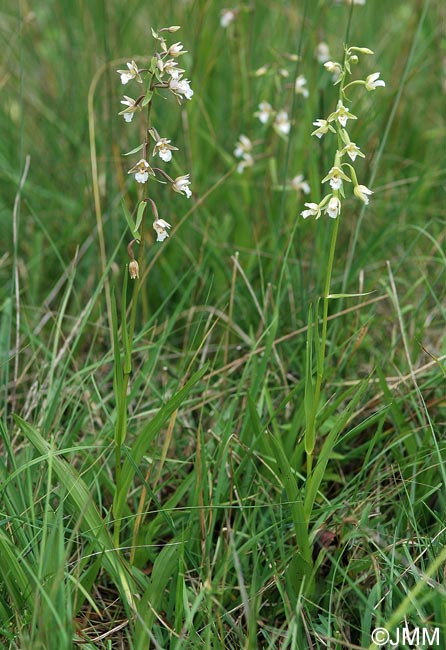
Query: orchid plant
[341,174]
[162,74]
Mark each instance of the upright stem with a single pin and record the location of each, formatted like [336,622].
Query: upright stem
[121,424]
[323,342]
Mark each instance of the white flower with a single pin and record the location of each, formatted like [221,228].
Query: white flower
[282,124]
[342,114]
[164,149]
[131,73]
[247,161]
[323,128]
[352,150]
[265,112]
[299,184]
[132,107]
[243,146]
[181,185]
[160,226]
[322,52]
[362,192]
[170,66]
[299,86]
[174,50]
[373,81]
[227,16]
[141,170]
[335,176]
[334,68]
[313,211]
[333,208]
[180,86]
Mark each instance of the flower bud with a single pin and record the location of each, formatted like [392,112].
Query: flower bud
[134,270]
[354,59]
[173,29]
[361,50]
[261,71]
[363,193]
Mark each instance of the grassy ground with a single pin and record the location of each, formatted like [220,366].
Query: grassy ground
[226,537]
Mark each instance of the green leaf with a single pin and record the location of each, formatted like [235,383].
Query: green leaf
[146,436]
[349,295]
[164,568]
[303,564]
[91,522]
[316,477]
[134,150]
[309,387]
[140,213]
[14,576]
[116,351]
[130,222]
[147,98]
[153,64]
[124,332]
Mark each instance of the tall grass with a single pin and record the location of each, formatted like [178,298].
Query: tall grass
[226,540]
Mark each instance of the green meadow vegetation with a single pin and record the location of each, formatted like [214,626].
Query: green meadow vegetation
[244,447]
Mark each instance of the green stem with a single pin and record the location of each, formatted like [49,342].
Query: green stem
[121,424]
[323,342]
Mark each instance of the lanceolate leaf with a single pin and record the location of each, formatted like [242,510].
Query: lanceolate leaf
[146,436]
[91,522]
[130,221]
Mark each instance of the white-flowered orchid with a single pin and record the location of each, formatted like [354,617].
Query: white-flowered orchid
[180,87]
[299,86]
[265,112]
[169,66]
[131,73]
[313,211]
[335,176]
[350,2]
[323,128]
[227,17]
[142,169]
[299,184]
[164,149]
[363,193]
[282,123]
[352,150]
[341,114]
[322,52]
[243,146]
[132,108]
[160,226]
[334,69]
[247,161]
[181,185]
[174,50]
[373,81]
[333,208]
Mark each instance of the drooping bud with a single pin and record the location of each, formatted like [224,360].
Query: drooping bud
[134,270]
